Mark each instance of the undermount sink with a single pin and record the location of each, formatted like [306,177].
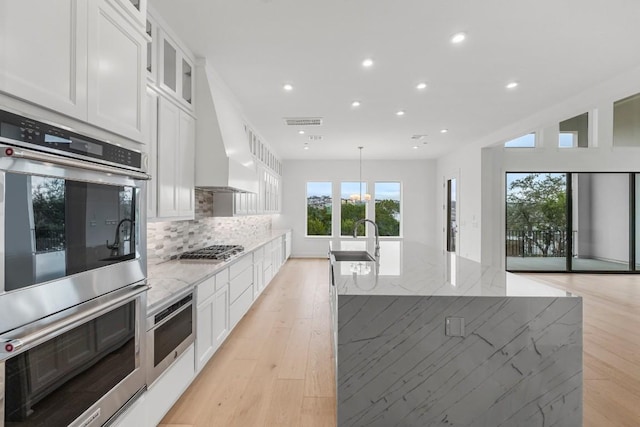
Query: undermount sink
[352,256]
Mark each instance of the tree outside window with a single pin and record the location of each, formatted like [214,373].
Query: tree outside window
[319,209]
[387,208]
[353,207]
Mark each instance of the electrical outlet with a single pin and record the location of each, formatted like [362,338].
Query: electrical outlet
[454,326]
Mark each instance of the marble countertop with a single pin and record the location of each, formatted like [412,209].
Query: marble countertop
[170,280]
[410,268]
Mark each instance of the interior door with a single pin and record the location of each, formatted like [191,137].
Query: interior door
[452,220]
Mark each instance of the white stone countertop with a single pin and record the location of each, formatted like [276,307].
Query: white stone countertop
[170,280]
[411,268]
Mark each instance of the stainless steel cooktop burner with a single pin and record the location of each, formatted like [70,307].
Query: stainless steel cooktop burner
[215,252]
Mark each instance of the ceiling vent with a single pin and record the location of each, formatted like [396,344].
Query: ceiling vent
[303,121]
[315,138]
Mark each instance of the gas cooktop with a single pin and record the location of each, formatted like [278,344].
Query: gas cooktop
[215,253]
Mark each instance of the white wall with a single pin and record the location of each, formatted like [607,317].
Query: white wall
[609,218]
[419,204]
[482,165]
[466,168]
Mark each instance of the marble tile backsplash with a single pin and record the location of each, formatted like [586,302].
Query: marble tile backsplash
[167,240]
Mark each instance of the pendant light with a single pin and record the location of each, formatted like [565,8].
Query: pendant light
[360,198]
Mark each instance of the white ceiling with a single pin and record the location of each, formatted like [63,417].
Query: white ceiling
[554,49]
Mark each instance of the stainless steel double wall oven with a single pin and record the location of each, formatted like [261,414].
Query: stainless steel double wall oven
[73,271]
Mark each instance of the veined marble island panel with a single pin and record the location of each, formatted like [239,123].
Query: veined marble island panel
[519,362]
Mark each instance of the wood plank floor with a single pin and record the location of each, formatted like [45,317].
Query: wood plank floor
[275,369]
[611,310]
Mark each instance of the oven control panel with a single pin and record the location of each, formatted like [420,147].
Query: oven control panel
[31,133]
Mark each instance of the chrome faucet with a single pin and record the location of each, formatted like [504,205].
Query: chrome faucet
[115,246]
[355,234]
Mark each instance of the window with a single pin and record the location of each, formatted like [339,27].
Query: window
[567,139]
[353,197]
[525,141]
[319,213]
[574,132]
[387,208]
[626,122]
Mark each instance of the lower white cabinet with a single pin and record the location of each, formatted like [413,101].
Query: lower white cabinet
[135,415]
[212,319]
[167,389]
[240,306]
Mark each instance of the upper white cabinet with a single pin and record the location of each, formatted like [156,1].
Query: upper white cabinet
[175,69]
[84,59]
[175,161]
[136,9]
[151,142]
[45,61]
[117,63]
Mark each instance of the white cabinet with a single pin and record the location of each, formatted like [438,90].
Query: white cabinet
[136,9]
[116,84]
[151,142]
[258,271]
[44,53]
[240,288]
[175,175]
[175,69]
[212,318]
[269,198]
[287,245]
[167,389]
[83,59]
[135,415]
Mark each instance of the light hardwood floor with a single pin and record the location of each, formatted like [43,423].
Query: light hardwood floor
[275,369]
[611,310]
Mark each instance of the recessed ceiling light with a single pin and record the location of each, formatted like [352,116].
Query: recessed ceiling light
[421,86]
[458,38]
[367,62]
[306,147]
[287,87]
[512,85]
[400,113]
[444,130]
[355,104]
[415,147]
[301,132]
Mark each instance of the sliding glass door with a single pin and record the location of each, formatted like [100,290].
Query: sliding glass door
[536,222]
[578,222]
[600,220]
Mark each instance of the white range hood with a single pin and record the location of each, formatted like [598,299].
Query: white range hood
[223,160]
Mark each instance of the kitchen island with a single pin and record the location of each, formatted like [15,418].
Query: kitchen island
[425,338]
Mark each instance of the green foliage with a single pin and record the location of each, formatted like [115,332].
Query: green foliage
[386,213]
[318,221]
[536,205]
[351,213]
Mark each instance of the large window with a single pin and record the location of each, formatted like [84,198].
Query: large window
[387,196]
[581,222]
[353,207]
[319,209]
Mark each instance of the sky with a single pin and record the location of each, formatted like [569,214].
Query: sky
[385,190]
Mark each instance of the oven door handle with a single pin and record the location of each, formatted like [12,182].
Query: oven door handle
[9,151]
[171,316]
[33,334]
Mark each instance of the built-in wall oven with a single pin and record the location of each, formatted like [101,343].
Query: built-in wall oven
[170,332]
[72,275]
[78,367]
